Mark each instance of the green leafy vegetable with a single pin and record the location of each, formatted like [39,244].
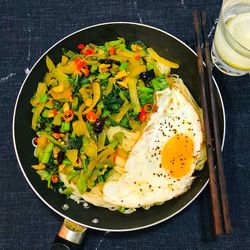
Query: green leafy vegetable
[75,142]
[159,83]
[113,101]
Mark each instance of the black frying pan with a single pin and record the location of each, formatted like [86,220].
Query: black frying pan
[96,217]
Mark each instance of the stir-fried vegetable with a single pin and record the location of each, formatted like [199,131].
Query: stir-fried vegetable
[90,109]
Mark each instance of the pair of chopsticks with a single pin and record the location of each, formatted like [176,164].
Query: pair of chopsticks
[222,224]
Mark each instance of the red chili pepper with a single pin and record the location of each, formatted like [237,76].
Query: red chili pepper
[35,140]
[79,63]
[91,116]
[54,178]
[85,70]
[137,57]
[80,46]
[54,112]
[56,135]
[112,51]
[143,115]
[148,107]
[115,155]
[68,115]
[89,52]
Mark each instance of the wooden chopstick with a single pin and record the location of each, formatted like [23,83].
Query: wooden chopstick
[214,191]
[217,139]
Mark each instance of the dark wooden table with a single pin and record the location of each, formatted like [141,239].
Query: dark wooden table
[28,29]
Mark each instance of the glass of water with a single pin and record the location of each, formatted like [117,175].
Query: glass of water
[231,46]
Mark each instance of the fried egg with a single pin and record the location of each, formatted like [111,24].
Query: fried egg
[161,163]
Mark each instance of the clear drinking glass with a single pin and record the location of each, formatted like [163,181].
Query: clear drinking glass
[231,46]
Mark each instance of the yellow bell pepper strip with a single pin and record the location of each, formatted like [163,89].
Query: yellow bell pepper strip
[41,142]
[118,58]
[60,92]
[124,109]
[97,95]
[65,107]
[111,82]
[136,71]
[130,54]
[94,175]
[72,155]
[88,102]
[162,60]
[56,151]
[36,115]
[90,147]
[123,84]
[99,159]
[135,125]
[133,94]
[59,88]
[62,78]
[80,111]
[50,65]
[39,166]
[68,68]
[57,119]
[64,60]
[41,90]
[104,67]
[101,140]
[84,94]
[80,128]
[120,157]
[61,167]
[88,62]
[47,78]
[121,74]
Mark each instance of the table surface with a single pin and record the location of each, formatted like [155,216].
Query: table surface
[28,29]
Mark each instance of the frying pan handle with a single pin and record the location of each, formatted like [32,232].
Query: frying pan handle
[69,237]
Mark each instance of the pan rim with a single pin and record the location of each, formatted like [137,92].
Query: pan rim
[22,169]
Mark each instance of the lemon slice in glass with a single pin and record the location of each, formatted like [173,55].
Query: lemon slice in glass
[239,27]
[236,53]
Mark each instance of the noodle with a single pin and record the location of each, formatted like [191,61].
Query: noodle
[95,196]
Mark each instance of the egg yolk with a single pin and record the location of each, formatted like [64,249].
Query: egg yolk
[177,155]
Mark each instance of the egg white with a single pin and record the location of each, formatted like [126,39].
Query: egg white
[146,182]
